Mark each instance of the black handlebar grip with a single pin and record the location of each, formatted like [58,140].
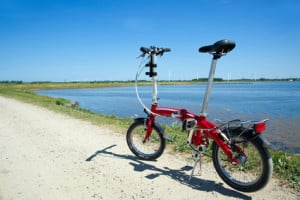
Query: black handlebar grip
[166,49]
[145,49]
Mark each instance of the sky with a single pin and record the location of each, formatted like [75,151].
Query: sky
[87,40]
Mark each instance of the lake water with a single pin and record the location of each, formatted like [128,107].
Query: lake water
[277,101]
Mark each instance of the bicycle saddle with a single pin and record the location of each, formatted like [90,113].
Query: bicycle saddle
[222,46]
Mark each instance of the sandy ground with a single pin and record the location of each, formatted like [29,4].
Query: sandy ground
[45,155]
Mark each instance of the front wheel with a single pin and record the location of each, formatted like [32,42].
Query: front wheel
[252,173]
[150,149]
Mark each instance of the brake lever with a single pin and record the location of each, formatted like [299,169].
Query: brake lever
[160,53]
[141,56]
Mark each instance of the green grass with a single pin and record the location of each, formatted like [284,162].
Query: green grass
[57,85]
[286,165]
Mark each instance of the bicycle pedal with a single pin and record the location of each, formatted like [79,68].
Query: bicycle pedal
[195,154]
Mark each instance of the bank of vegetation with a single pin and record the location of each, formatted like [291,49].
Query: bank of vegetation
[286,165]
[18,84]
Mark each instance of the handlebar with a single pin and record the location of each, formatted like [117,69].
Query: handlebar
[154,50]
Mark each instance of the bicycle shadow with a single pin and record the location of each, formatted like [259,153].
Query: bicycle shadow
[178,175]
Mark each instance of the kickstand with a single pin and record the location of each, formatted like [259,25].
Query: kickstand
[196,154]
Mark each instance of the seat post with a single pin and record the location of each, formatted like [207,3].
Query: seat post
[218,49]
[209,83]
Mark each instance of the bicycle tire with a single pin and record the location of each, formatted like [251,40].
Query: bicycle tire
[259,159]
[149,150]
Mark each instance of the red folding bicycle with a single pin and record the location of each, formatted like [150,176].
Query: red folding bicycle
[239,153]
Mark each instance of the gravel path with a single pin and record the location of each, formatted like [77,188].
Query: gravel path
[45,155]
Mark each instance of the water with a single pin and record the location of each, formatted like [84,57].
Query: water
[277,101]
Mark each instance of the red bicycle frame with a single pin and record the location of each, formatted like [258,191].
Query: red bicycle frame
[205,129]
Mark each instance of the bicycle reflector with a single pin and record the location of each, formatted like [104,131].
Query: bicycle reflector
[260,127]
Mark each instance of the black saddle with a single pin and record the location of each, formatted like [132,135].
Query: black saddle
[220,47]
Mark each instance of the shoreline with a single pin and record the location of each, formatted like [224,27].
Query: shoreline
[106,84]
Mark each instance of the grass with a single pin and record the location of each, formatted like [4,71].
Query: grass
[57,85]
[286,165]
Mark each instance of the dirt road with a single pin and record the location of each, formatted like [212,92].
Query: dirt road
[45,155]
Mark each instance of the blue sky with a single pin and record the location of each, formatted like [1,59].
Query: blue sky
[69,40]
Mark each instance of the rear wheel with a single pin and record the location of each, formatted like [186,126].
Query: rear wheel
[150,149]
[253,171]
